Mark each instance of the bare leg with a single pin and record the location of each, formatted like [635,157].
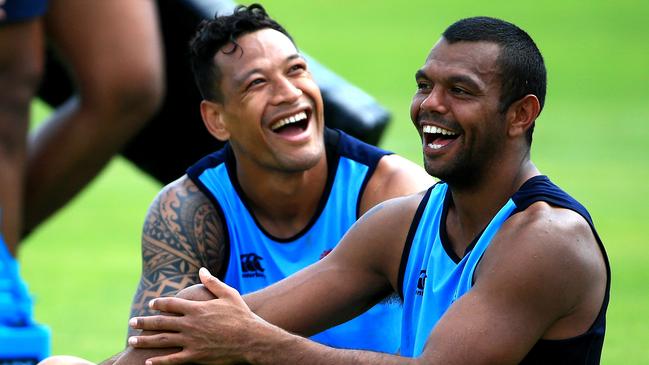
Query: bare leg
[114,51]
[21,64]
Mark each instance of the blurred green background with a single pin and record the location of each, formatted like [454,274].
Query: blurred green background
[592,139]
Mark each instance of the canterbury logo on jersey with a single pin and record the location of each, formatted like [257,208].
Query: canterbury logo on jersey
[251,266]
[421,282]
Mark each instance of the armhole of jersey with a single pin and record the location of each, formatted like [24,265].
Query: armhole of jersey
[224,225]
[366,180]
[555,196]
[409,238]
[359,151]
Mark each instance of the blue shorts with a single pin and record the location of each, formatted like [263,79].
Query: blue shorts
[21,10]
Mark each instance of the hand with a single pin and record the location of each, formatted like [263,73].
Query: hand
[217,331]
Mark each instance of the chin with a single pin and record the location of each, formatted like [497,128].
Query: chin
[306,161]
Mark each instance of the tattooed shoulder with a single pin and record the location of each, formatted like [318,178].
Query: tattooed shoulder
[183,231]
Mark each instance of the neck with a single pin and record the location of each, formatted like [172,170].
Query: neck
[283,202]
[474,206]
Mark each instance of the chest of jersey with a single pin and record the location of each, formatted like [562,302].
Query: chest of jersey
[257,259]
[433,280]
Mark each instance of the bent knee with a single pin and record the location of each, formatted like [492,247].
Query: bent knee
[196,292]
[18,85]
[123,96]
[19,80]
[65,360]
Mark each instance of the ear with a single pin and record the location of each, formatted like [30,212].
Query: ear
[522,114]
[212,114]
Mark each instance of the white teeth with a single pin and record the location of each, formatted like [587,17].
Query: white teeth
[433,129]
[435,146]
[288,120]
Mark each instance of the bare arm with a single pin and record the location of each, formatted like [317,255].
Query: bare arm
[361,271]
[119,89]
[182,233]
[543,277]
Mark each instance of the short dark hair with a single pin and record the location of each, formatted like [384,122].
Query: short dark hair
[521,63]
[215,33]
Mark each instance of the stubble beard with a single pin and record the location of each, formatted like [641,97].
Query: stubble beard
[470,167]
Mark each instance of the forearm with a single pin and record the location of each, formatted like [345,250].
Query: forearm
[302,303]
[280,347]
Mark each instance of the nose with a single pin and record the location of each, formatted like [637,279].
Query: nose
[286,91]
[434,101]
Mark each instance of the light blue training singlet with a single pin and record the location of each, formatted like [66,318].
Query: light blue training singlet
[432,277]
[257,259]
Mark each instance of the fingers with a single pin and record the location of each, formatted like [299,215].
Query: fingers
[171,305]
[216,286]
[156,323]
[155,341]
[196,292]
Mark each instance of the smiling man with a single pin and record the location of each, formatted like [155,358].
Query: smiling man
[495,264]
[284,189]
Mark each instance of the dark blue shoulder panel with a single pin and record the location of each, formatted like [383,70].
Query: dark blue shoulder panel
[213,159]
[347,146]
[589,344]
[194,173]
[355,149]
[540,188]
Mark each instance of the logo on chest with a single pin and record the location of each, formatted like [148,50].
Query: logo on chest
[421,283]
[251,266]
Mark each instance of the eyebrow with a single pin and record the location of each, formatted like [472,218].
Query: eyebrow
[453,79]
[462,79]
[240,80]
[420,74]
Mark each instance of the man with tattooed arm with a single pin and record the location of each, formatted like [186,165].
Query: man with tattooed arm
[281,193]
[495,264]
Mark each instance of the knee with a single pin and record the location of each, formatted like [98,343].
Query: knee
[124,96]
[196,292]
[19,79]
[140,92]
[64,360]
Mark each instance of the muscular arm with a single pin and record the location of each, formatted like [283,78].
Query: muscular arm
[543,277]
[361,271]
[182,232]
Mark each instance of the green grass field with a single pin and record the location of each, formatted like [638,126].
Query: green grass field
[82,266]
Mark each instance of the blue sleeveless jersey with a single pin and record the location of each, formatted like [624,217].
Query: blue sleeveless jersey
[257,259]
[432,277]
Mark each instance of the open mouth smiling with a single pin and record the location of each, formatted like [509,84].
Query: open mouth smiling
[297,122]
[437,137]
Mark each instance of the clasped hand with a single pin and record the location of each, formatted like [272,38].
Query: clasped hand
[213,331]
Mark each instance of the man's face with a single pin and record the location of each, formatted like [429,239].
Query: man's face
[455,110]
[272,108]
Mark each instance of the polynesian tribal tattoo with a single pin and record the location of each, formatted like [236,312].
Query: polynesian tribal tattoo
[182,233]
